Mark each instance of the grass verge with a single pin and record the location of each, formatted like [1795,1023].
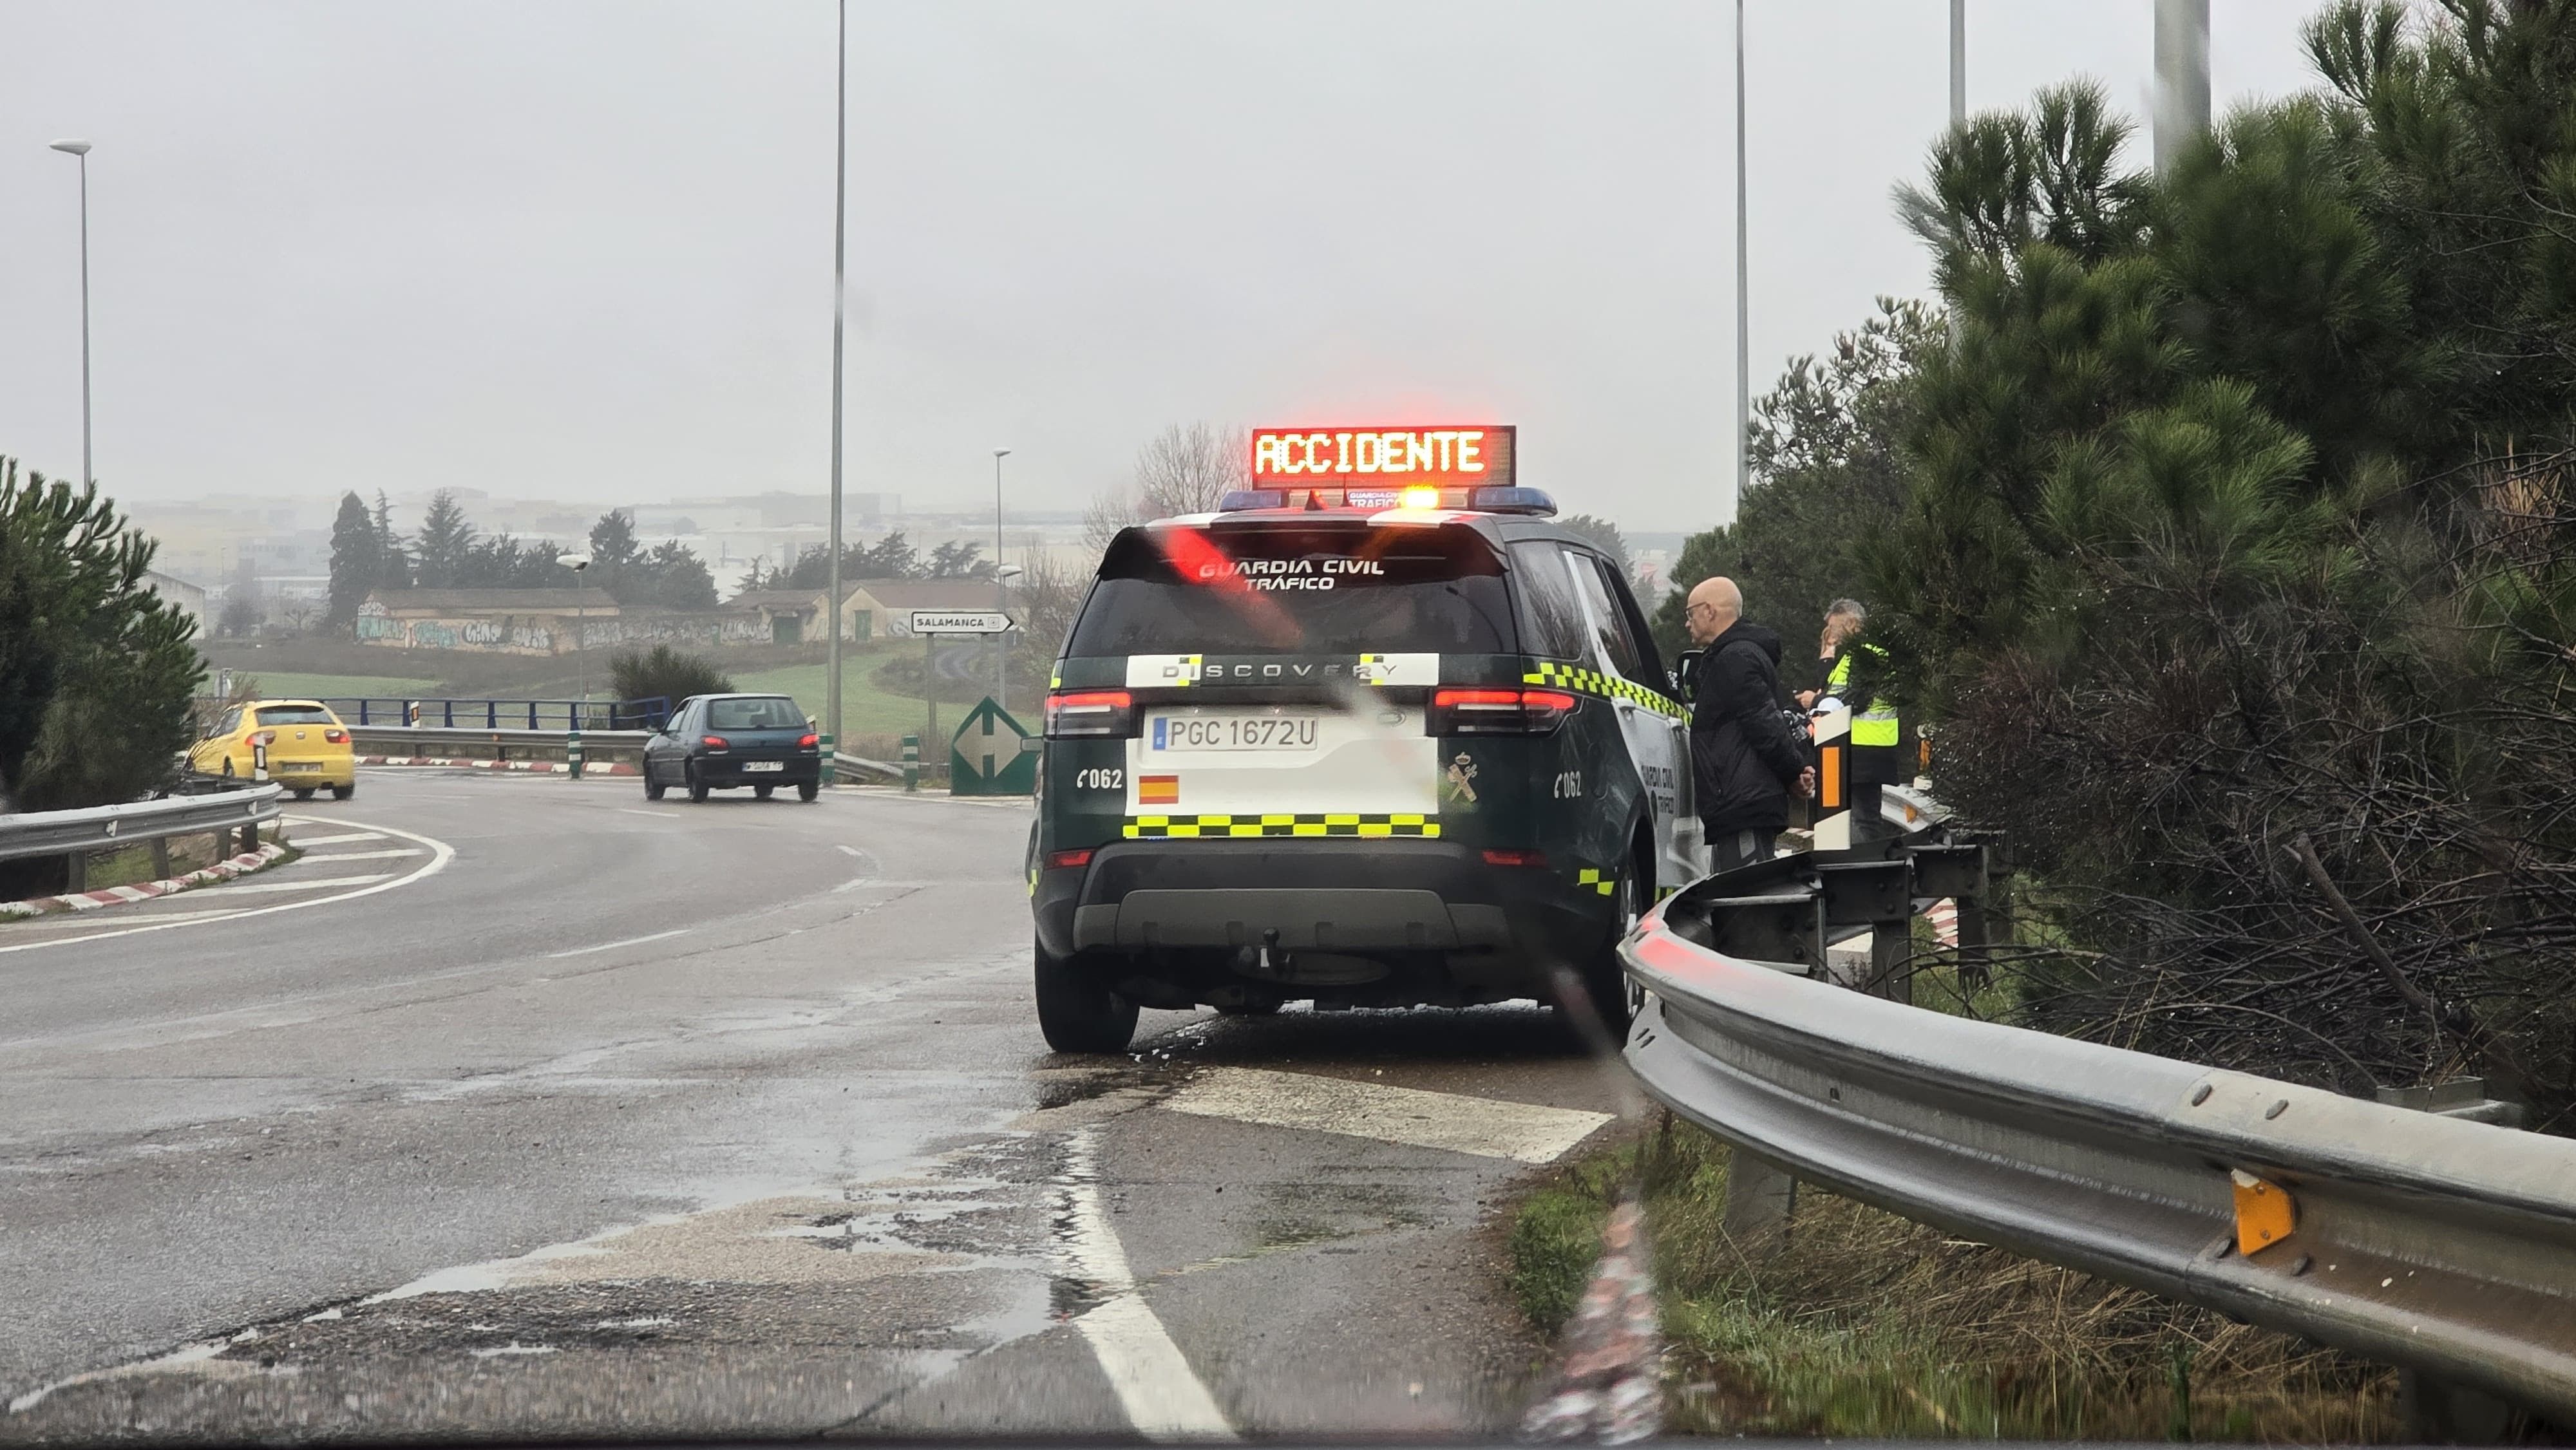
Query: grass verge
[1866,1324]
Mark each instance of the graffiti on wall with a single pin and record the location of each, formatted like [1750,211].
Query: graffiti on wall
[543,634]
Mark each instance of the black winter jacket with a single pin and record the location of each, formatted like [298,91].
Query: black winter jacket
[1744,752]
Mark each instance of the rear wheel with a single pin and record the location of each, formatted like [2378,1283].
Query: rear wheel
[697,786]
[304,793]
[762,792]
[1605,982]
[343,792]
[807,790]
[1076,1010]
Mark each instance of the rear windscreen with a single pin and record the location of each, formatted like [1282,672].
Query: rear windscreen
[295,715]
[1297,590]
[754,715]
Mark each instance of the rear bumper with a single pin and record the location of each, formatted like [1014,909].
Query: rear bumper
[1362,897]
[301,775]
[722,773]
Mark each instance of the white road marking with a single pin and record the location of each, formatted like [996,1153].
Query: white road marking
[657,815]
[849,850]
[868,883]
[365,855]
[240,888]
[1161,1394]
[1488,1127]
[311,841]
[610,946]
[440,853]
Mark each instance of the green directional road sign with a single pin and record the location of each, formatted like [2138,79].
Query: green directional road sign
[985,758]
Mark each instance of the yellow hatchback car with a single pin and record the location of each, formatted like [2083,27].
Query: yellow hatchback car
[305,745]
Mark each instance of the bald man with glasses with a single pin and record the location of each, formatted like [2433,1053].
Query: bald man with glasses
[1747,758]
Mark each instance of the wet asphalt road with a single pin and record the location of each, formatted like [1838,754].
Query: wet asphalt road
[599,1116]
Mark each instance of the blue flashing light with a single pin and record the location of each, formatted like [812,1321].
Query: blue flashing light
[1500,499]
[1252,498]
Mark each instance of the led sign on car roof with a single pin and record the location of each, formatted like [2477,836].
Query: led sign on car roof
[1453,456]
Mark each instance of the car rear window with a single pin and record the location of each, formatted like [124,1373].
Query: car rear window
[295,715]
[1296,589]
[769,714]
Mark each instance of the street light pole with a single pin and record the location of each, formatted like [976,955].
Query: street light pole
[840,236]
[1743,293]
[1001,592]
[80,150]
[1958,62]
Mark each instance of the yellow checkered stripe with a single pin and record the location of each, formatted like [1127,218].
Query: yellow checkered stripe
[1283,825]
[1608,687]
[1598,881]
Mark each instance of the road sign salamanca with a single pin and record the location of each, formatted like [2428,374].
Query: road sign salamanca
[960,621]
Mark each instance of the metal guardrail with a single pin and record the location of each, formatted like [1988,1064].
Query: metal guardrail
[75,834]
[495,714]
[2441,1245]
[415,740]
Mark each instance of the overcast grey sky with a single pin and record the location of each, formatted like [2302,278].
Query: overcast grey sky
[582,248]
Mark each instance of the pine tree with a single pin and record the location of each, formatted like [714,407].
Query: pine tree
[393,560]
[354,560]
[446,543]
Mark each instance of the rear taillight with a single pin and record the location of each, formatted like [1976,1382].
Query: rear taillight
[336,737]
[715,742]
[1515,858]
[1076,713]
[809,742]
[1498,711]
[1060,859]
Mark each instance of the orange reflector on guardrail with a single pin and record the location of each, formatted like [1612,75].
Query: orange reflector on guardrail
[2265,1214]
[1829,778]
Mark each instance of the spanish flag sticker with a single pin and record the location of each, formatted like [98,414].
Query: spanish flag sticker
[1158,790]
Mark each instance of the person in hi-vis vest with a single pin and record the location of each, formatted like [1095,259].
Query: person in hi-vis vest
[1877,739]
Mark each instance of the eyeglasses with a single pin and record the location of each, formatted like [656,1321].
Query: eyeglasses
[1696,608]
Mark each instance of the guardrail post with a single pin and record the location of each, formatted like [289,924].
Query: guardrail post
[572,751]
[76,872]
[1760,1196]
[911,764]
[160,858]
[250,837]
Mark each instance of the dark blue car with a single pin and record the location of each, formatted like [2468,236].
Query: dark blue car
[726,742]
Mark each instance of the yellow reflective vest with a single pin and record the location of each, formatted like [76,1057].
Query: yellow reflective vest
[1875,725]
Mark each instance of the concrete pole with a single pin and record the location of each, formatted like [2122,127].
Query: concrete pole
[1958,62]
[2182,76]
[840,237]
[1743,294]
[79,150]
[1001,592]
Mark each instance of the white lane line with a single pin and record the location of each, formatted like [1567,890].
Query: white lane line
[1489,1127]
[1161,1395]
[870,883]
[657,815]
[365,855]
[440,853]
[244,888]
[610,946]
[849,850]
[309,842]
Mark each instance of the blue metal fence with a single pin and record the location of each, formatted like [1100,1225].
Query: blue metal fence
[502,714]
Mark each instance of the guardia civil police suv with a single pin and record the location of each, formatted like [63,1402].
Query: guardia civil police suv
[1375,733]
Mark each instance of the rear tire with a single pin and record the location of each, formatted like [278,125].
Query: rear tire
[1076,1010]
[697,786]
[343,792]
[1605,982]
[762,792]
[304,793]
[807,790]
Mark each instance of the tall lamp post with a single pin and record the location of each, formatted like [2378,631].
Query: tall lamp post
[580,628]
[80,150]
[1001,592]
[1743,292]
[840,233]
